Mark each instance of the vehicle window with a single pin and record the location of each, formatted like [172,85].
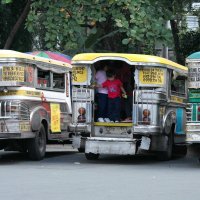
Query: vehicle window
[43,78]
[178,86]
[58,81]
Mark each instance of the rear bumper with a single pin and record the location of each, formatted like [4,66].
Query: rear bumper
[78,127]
[115,146]
[147,130]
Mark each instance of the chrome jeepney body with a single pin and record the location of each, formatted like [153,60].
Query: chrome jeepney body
[158,113]
[193,105]
[31,101]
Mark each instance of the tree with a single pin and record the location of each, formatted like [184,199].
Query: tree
[99,25]
[14,35]
[179,10]
[17,25]
[190,39]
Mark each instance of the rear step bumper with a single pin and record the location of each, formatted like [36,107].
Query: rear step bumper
[115,146]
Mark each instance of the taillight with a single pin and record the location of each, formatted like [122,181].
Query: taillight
[146,118]
[81,117]
[198,113]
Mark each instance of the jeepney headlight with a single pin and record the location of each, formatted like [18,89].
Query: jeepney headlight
[81,116]
[5,90]
[11,108]
[146,118]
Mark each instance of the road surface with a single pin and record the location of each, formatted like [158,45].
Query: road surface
[65,174]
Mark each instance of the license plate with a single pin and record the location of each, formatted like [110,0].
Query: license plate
[24,127]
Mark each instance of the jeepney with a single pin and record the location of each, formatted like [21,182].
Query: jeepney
[193,106]
[35,102]
[158,110]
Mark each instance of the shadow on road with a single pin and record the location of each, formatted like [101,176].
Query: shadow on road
[69,156]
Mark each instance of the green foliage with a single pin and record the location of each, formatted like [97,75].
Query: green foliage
[6,1]
[9,14]
[190,42]
[98,25]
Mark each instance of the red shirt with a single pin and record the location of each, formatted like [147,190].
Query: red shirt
[113,87]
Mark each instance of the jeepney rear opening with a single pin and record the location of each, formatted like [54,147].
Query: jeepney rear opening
[85,97]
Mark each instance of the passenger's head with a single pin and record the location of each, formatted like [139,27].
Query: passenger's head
[102,66]
[110,74]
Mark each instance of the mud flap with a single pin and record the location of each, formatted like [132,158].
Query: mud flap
[76,142]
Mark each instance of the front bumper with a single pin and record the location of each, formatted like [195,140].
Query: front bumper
[15,129]
[193,133]
[17,135]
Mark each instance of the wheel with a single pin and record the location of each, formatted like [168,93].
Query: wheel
[37,145]
[91,156]
[81,149]
[166,155]
[180,149]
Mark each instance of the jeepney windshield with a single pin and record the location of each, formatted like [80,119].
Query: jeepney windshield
[16,74]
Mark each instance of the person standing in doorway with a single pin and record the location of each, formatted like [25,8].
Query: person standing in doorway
[102,95]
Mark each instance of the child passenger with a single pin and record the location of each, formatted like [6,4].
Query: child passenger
[114,87]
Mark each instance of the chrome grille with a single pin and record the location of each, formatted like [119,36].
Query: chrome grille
[14,110]
[12,113]
[189,112]
[192,113]
[147,99]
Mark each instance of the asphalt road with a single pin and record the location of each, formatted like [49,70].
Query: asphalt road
[65,174]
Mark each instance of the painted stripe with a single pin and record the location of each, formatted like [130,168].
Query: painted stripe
[194,112]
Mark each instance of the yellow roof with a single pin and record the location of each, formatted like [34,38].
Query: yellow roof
[18,55]
[129,58]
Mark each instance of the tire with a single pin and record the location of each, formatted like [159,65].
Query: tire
[180,150]
[166,155]
[91,156]
[37,145]
[81,149]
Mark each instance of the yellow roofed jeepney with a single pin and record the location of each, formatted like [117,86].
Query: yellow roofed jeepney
[148,115]
[193,106]
[35,102]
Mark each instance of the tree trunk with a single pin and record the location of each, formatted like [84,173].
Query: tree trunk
[17,25]
[174,27]
[179,57]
